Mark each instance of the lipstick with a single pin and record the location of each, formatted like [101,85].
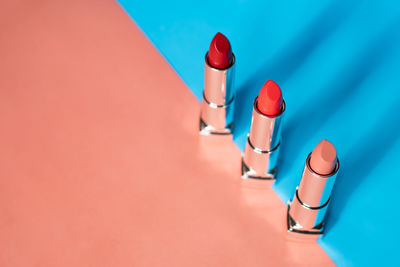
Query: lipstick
[263,142]
[218,96]
[306,213]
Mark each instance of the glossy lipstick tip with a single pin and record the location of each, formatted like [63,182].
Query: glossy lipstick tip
[220,52]
[270,99]
[323,158]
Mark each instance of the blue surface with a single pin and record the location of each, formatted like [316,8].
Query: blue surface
[338,64]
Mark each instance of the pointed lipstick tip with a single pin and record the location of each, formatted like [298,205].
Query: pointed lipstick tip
[323,158]
[220,52]
[270,99]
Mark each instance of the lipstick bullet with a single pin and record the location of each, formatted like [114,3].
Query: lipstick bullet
[263,142]
[306,213]
[218,95]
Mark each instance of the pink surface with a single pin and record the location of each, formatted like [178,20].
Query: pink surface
[93,175]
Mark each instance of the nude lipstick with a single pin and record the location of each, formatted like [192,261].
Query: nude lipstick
[218,96]
[263,142]
[306,213]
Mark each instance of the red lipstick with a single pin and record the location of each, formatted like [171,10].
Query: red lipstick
[306,213]
[218,96]
[220,52]
[263,142]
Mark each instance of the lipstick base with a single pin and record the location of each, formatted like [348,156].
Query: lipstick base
[303,219]
[294,227]
[259,164]
[248,173]
[208,129]
[216,119]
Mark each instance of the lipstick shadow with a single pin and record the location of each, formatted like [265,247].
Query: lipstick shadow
[306,212]
[261,153]
[218,97]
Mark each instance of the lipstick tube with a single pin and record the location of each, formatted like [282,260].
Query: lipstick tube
[218,100]
[263,143]
[306,213]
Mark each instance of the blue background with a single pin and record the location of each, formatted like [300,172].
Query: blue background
[338,64]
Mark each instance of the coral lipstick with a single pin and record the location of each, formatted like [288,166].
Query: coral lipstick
[263,142]
[218,96]
[306,213]
[270,99]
